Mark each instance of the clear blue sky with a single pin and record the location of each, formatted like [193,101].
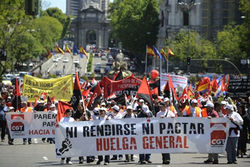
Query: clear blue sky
[61,4]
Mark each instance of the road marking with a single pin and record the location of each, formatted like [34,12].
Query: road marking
[45,158]
[159,166]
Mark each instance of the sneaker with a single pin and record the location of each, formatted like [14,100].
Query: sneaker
[127,160]
[166,162]
[208,161]
[10,143]
[235,162]
[70,163]
[148,161]
[142,162]
[62,161]
[25,142]
[229,163]
[216,162]
[29,142]
[81,162]
[113,158]
[105,163]
[98,162]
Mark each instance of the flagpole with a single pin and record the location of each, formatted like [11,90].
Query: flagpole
[146,62]
[167,59]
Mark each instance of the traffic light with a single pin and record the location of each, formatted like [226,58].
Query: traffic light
[31,7]
[188,60]
[3,55]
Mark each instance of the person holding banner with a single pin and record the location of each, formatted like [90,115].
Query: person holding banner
[3,110]
[163,113]
[129,114]
[144,113]
[169,107]
[67,118]
[234,134]
[211,113]
[103,116]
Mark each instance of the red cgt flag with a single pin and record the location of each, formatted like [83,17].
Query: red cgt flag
[62,107]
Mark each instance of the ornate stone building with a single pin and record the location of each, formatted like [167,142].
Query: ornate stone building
[90,25]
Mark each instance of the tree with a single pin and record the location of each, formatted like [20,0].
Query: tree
[135,24]
[228,43]
[191,45]
[61,17]
[244,28]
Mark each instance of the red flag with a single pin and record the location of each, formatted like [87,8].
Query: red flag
[144,92]
[62,107]
[48,103]
[184,96]
[172,87]
[97,92]
[85,93]
[214,85]
[35,103]
[227,84]
[190,91]
[167,90]
[77,94]
[155,91]
[16,103]
[44,95]
[53,99]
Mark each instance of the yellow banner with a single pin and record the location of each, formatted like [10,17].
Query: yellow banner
[60,88]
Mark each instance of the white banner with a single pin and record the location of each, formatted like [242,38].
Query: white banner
[31,124]
[178,80]
[141,135]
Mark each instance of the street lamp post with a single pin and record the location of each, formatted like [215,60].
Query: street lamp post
[187,6]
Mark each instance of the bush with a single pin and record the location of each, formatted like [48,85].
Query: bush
[89,67]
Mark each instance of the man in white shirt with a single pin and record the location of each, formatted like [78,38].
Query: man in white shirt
[234,134]
[165,112]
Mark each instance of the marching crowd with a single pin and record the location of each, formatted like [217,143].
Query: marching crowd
[236,110]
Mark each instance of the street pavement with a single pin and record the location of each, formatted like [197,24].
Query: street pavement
[64,64]
[43,155]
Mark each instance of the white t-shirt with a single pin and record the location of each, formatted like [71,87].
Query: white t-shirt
[67,119]
[166,113]
[238,120]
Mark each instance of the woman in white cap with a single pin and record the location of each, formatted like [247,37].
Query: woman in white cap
[234,133]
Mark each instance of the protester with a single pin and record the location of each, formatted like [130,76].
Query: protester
[211,113]
[163,113]
[103,116]
[3,122]
[144,113]
[67,118]
[234,133]
[193,110]
[129,114]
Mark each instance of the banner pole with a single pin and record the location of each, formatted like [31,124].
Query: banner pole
[146,62]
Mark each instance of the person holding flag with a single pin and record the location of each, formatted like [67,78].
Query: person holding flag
[193,110]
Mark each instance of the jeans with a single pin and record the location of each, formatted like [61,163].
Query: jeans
[231,149]
[165,157]
[144,157]
[67,159]
[106,159]
[3,128]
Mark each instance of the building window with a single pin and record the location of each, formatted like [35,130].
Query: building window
[185,18]
[162,18]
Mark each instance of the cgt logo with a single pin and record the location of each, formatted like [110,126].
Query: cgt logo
[218,136]
[17,126]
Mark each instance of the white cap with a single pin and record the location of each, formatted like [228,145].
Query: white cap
[229,107]
[194,101]
[129,108]
[141,101]
[52,105]
[145,109]
[161,97]
[103,104]
[166,99]
[103,109]
[223,102]
[96,110]
[11,108]
[116,108]
[209,104]
[81,101]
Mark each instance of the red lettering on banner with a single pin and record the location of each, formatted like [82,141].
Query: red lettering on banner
[164,142]
[39,132]
[111,144]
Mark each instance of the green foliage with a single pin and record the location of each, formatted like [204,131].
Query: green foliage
[228,43]
[191,45]
[135,23]
[47,30]
[84,77]
[61,17]
[89,67]
[52,76]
